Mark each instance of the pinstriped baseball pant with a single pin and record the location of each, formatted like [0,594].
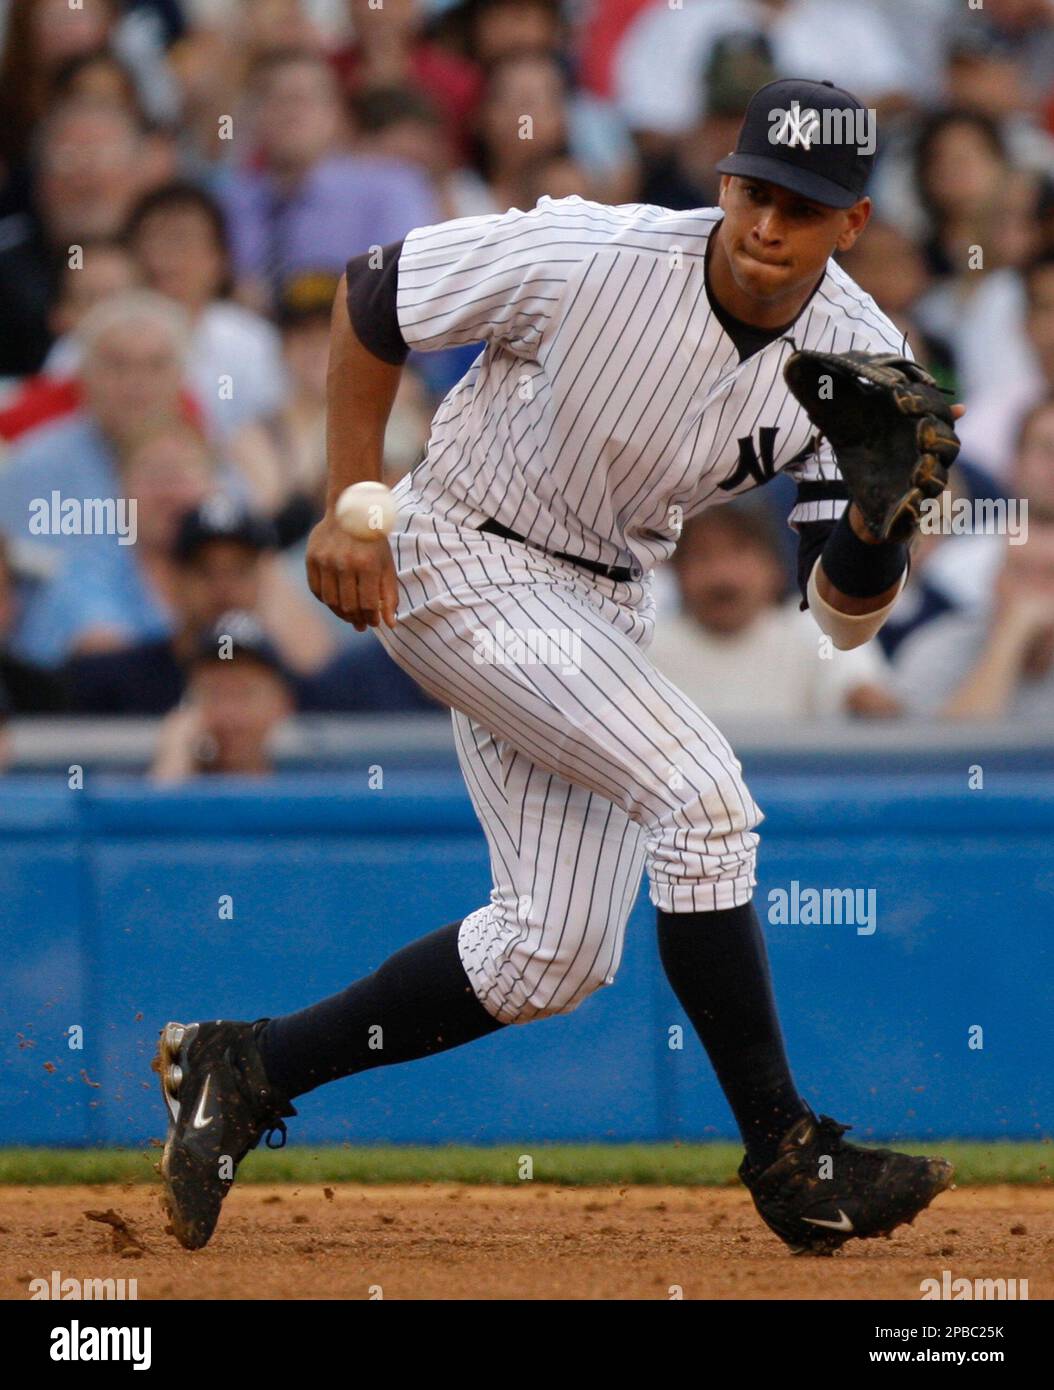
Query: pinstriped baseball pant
[584,764]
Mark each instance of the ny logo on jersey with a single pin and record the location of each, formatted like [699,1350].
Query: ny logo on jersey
[750,466]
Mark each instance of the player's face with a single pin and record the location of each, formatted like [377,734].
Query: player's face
[776,242]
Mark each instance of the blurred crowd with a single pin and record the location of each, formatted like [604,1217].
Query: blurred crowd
[182,183]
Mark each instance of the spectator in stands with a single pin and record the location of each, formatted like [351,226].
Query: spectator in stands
[685,176]
[982,225]
[1026,28]
[599,32]
[557,175]
[178,239]
[989,74]
[597,139]
[134,350]
[225,554]
[40,36]
[734,625]
[103,268]
[212,62]
[1010,662]
[658,61]
[532,83]
[888,265]
[28,689]
[222,558]
[178,235]
[996,660]
[396,123]
[389,49]
[99,76]
[294,438]
[43,38]
[494,29]
[94,162]
[989,428]
[403,124]
[304,203]
[295,434]
[944,577]
[121,590]
[239,694]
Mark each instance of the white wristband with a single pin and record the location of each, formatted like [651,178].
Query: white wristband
[847,630]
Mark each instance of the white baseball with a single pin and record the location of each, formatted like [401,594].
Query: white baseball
[366,511]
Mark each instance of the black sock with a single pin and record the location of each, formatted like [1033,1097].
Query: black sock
[420,999]
[718,967]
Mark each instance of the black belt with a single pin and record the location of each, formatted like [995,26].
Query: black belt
[621,574]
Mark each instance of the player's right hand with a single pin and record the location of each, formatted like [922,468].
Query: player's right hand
[356,579]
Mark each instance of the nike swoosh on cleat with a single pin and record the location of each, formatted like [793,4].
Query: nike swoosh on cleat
[842,1224]
[201,1120]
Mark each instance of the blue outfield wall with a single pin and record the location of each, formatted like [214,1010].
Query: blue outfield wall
[111,922]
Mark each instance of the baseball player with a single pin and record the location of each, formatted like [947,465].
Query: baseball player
[639,365]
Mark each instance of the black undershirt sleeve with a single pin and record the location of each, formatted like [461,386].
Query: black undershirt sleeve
[812,541]
[371,304]
[812,535]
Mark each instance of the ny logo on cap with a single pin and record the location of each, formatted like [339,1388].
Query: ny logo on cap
[794,127]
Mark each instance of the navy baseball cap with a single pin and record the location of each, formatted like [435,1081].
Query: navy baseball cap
[811,137]
[235,634]
[220,518]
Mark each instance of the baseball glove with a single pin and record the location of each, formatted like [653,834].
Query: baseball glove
[890,427]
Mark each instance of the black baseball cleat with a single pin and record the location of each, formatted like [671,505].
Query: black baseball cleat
[220,1105]
[821,1191]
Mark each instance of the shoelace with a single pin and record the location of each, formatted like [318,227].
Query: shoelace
[274,1124]
[833,1130]
[277,1128]
[827,1126]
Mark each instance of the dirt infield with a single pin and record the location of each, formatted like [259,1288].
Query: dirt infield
[446,1242]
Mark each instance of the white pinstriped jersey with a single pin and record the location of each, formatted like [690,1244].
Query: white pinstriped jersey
[609,404]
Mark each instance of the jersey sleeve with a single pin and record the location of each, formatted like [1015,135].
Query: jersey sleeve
[821,490]
[371,290]
[496,278]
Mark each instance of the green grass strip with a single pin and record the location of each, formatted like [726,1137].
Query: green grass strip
[563,1164]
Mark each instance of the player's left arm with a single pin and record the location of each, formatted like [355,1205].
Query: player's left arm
[874,572]
[849,579]
[830,529]
[852,606]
